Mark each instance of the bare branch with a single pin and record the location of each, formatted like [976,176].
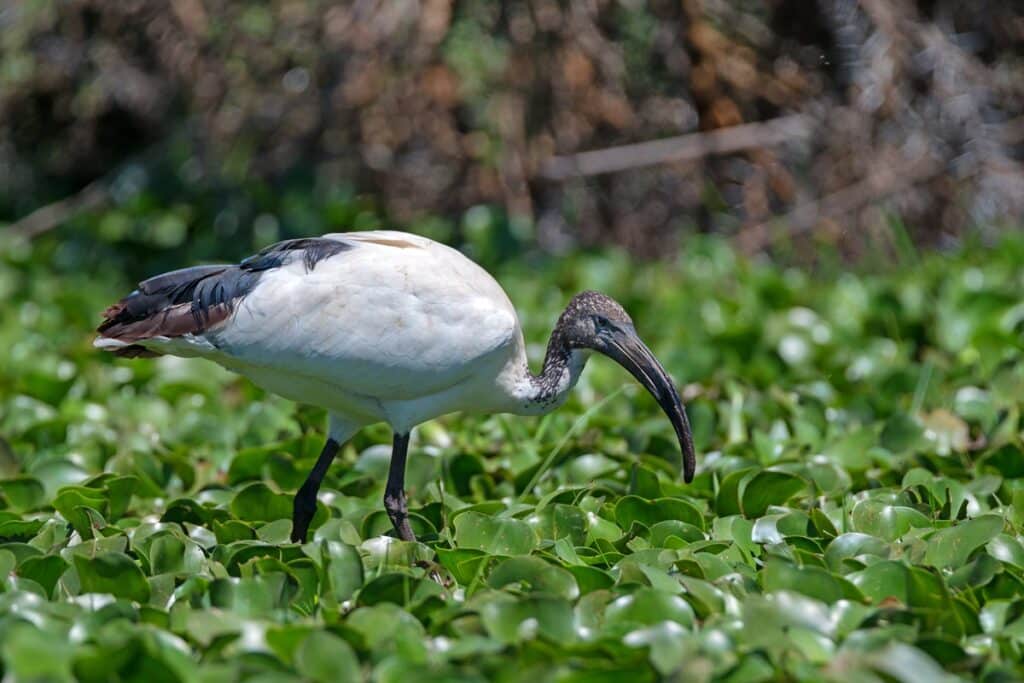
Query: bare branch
[676,149]
[46,218]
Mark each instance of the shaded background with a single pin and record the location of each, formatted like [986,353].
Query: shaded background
[870,125]
[856,387]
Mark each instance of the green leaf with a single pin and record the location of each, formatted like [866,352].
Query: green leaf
[23,493]
[45,571]
[901,434]
[886,521]
[813,582]
[646,607]
[632,509]
[324,657]
[119,495]
[112,573]
[72,501]
[31,654]
[851,545]
[769,487]
[256,502]
[253,596]
[882,580]
[728,500]
[1007,549]
[494,535]
[511,620]
[171,555]
[950,548]
[535,576]
[560,521]
[342,567]
[672,533]
[464,564]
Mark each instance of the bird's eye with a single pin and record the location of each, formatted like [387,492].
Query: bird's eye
[601,322]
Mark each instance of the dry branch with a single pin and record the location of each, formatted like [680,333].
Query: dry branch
[46,218]
[676,149]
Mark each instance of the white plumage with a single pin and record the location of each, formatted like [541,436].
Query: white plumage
[373,326]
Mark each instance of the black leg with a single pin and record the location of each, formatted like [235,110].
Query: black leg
[305,500]
[394,493]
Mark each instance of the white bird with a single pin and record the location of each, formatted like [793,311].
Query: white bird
[377,327]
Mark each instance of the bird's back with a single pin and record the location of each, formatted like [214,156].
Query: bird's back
[382,315]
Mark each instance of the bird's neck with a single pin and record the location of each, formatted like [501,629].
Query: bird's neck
[537,394]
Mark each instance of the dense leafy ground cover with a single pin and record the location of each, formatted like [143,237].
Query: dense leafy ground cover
[857,515]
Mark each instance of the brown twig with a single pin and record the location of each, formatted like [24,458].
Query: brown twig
[46,218]
[680,148]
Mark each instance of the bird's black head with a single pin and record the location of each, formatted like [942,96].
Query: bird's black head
[589,317]
[595,321]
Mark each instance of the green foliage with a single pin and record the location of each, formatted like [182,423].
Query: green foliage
[858,513]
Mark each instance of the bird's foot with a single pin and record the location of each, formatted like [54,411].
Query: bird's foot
[303,510]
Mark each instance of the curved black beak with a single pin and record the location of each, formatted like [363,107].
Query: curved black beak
[624,346]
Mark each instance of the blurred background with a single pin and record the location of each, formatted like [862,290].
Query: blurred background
[146,132]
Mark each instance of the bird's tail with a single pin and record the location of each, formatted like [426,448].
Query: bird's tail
[173,304]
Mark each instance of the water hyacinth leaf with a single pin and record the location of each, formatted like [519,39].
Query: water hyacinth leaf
[385,627]
[977,573]
[851,545]
[44,570]
[171,555]
[119,494]
[813,582]
[342,567]
[254,596]
[882,580]
[187,510]
[31,654]
[729,490]
[494,535]
[765,616]
[646,607]
[534,575]
[1005,548]
[395,587]
[950,548]
[324,657]
[15,530]
[22,493]
[643,482]
[902,433]
[766,488]
[1007,460]
[560,521]
[590,579]
[112,573]
[257,502]
[705,597]
[671,533]
[886,521]
[464,564]
[666,642]
[511,620]
[901,558]
[632,509]
[72,501]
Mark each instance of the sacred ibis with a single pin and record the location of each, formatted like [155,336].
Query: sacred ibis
[377,327]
